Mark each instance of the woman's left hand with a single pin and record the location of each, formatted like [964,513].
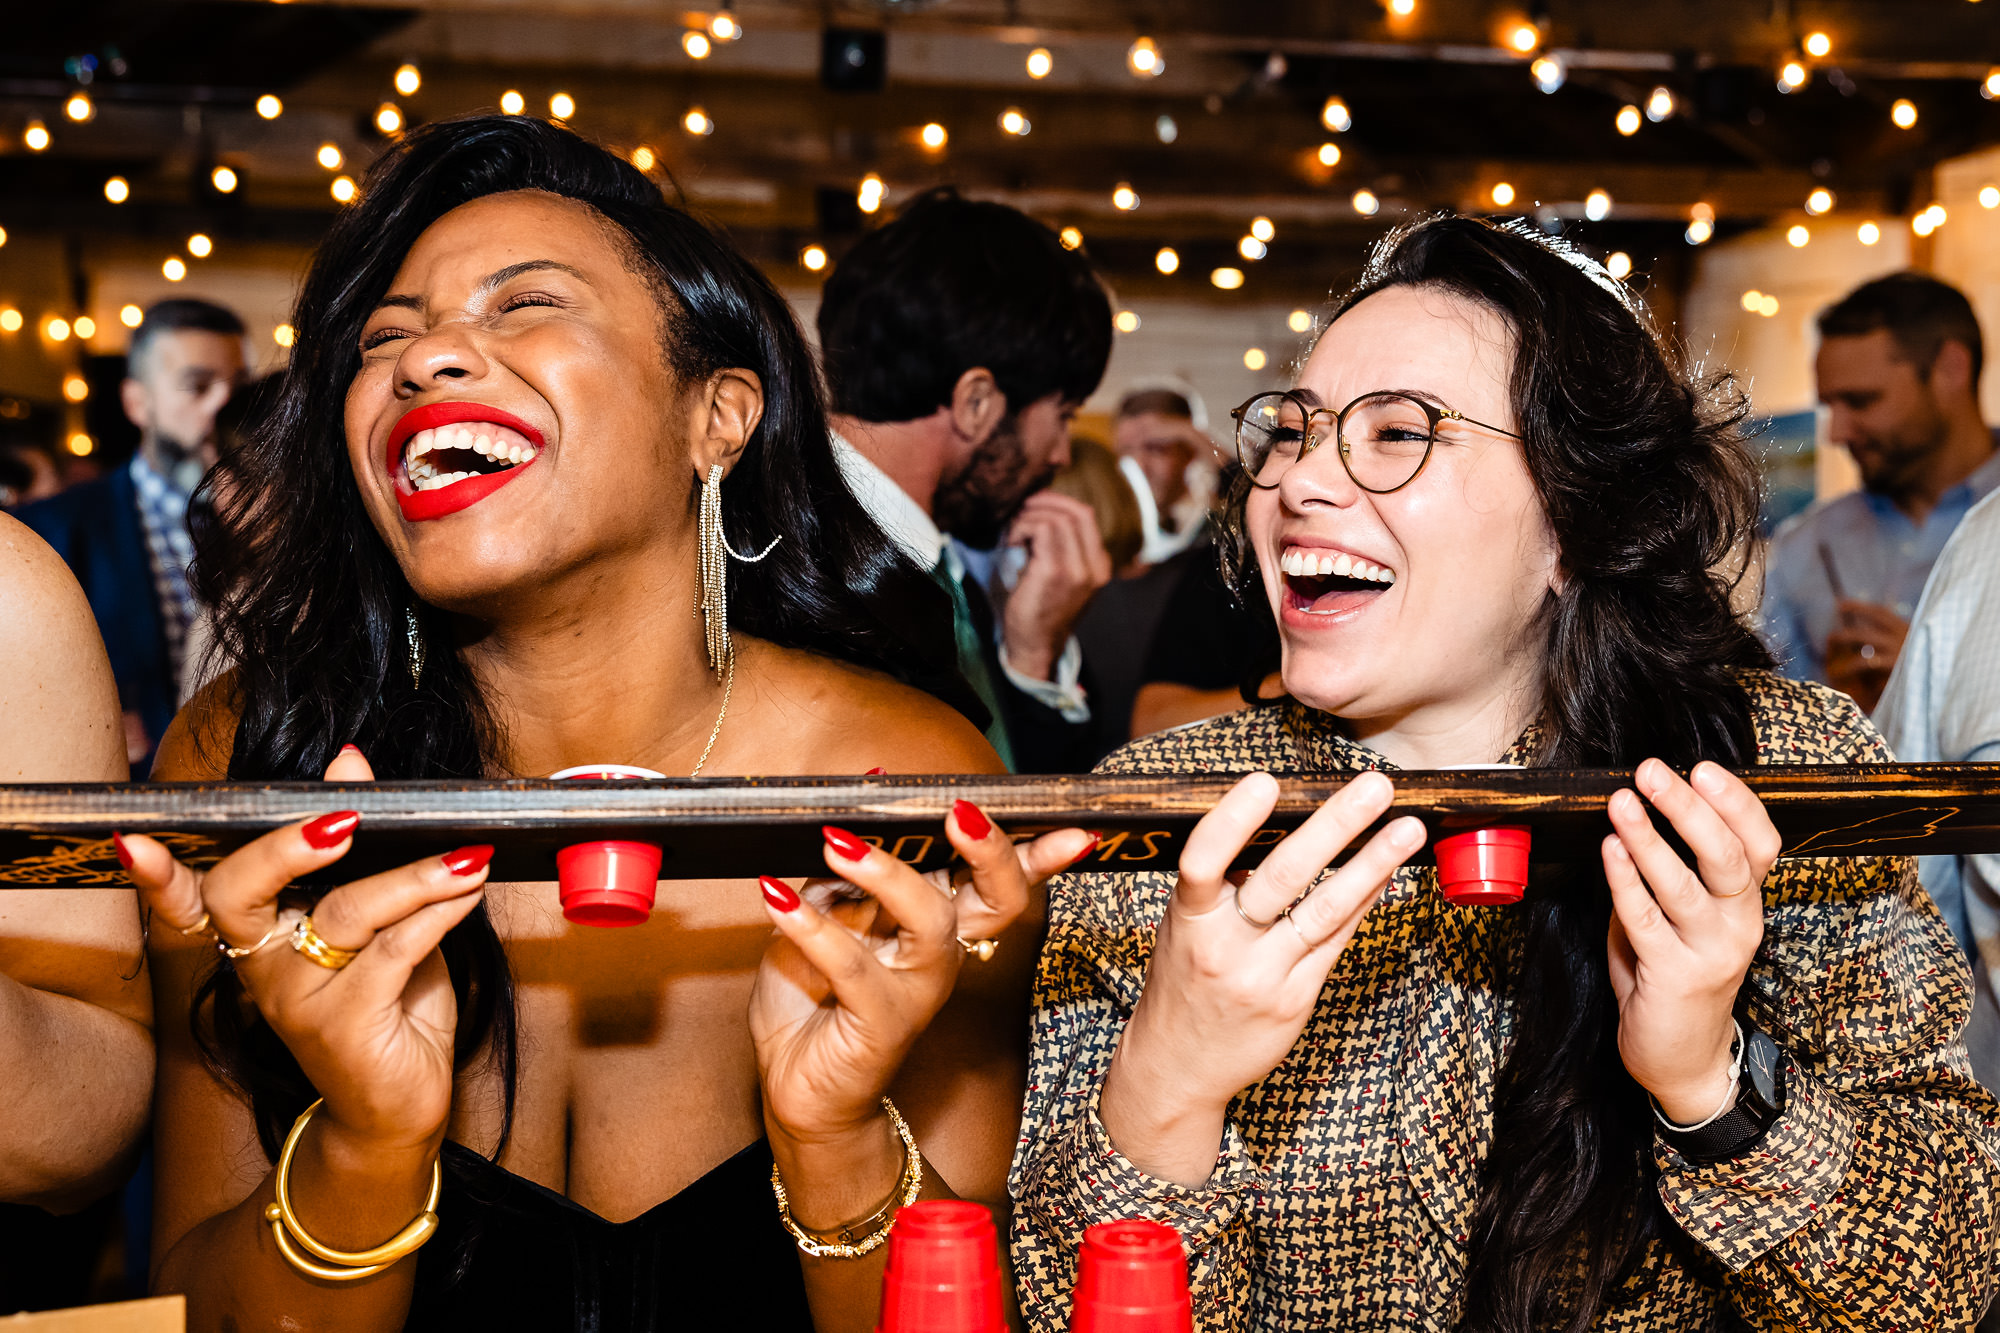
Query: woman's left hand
[1682,938]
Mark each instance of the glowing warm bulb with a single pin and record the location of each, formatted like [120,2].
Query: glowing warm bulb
[1329,154]
[868,197]
[407,80]
[512,102]
[1700,231]
[1524,37]
[1751,300]
[1335,116]
[813,258]
[1126,321]
[1402,9]
[284,335]
[174,270]
[1365,203]
[84,327]
[80,108]
[1168,260]
[1627,120]
[1013,122]
[1797,235]
[1768,306]
[696,44]
[1071,238]
[562,106]
[1548,73]
[1143,58]
[344,189]
[10,320]
[1922,224]
[131,316]
[644,158]
[75,388]
[724,27]
[1869,233]
[1228,279]
[696,121]
[1253,358]
[1818,44]
[200,246]
[1904,113]
[117,189]
[1040,62]
[329,156]
[36,136]
[223,179]
[269,107]
[1597,205]
[1263,229]
[933,136]
[389,118]
[1502,194]
[1252,249]
[1299,321]
[1124,198]
[80,444]
[1990,89]
[1819,201]
[1660,105]
[1989,196]
[1791,77]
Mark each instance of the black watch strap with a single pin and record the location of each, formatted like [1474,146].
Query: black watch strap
[1760,1100]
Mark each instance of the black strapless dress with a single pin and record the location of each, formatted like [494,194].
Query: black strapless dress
[510,1254]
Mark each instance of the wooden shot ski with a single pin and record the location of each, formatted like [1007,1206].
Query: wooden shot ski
[59,835]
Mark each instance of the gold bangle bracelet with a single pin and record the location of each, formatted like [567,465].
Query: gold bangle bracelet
[848,1245]
[340,1265]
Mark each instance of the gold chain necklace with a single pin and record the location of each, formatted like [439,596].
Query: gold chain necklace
[728,684]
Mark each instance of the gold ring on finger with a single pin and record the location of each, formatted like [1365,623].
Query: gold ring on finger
[1738,893]
[983,950]
[201,927]
[234,951]
[308,942]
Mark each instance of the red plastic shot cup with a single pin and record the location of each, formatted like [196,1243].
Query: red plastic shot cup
[610,883]
[1131,1277]
[1487,867]
[944,1271]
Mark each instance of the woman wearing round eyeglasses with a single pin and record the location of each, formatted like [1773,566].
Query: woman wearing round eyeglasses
[1681,1089]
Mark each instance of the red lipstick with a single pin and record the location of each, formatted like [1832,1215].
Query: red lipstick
[418,506]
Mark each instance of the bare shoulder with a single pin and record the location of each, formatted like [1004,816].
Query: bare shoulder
[202,736]
[819,715]
[59,719]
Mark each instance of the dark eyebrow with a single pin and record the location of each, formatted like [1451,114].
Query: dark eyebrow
[500,277]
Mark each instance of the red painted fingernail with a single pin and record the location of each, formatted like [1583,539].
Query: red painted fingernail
[778,893]
[843,842]
[1095,839]
[124,852]
[350,748]
[330,830]
[876,772]
[468,860]
[970,822]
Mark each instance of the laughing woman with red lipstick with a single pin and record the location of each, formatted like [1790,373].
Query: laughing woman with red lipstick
[1667,1091]
[471,538]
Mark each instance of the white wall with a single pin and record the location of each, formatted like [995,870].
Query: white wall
[1967,253]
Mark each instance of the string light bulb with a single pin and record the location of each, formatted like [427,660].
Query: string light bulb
[1124,198]
[343,189]
[1299,321]
[269,107]
[695,42]
[223,179]
[1989,196]
[174,269]
[81,444]
[1597,205]
[1252,249]
[933,136]
[1335,116]
[1263,229]
[1402,9]
[329,156]
[1797,235]
[1502,194]
[1329,154]
[1990,89]
[1549,72]
[868,195]
[75,387]
[200,246]
[56,329]
[1791,77]
[813,258]
[117,189]
[284,335]
[1167,260]
[1227,279]
[36,136]
[1014,123]
[1767,306]
[1365,203]
[407,80]
[697,122]
[644,158]
[1143,58]
[1254,358]
[10,320]
[1166,128]
[1126,321]
[131,316]
[1071,238]
[1903,114]
[1868,233]
[1524,37]
[1040,62]
[1627,120]
[388,118]
[1619,265]
[1818,45]
[724,27]
[1819,202]
[512,102]
[80,108]
[562,106]
[1660,105]
[84,326]
[1700,231]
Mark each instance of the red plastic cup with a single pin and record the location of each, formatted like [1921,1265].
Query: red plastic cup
[607,883]
[944,1271]
[1487,867]
[1131,1277]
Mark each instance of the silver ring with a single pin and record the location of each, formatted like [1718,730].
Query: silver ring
[1299,930]
[1236,901]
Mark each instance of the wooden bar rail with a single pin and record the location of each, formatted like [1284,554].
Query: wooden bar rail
[58,836]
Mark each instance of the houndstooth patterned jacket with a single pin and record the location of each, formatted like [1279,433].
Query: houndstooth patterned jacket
[1347,1177]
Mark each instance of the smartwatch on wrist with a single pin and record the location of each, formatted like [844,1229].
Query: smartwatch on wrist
[1760,1100]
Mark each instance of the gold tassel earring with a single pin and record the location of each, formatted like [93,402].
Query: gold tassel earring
[715,553]
[415,639]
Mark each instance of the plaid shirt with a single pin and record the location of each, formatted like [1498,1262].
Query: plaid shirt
[163,509]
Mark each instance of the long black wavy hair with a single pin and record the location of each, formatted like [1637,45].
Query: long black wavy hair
[1641,467]
[311,607]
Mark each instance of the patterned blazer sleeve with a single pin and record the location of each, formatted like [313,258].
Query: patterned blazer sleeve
[1067,1175]
[1872,1201]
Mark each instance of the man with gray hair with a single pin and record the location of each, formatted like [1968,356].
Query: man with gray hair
[125,535]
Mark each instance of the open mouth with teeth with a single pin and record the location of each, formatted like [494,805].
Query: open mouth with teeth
[445,457]
[1321,582]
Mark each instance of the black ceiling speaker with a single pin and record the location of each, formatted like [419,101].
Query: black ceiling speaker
[853,60]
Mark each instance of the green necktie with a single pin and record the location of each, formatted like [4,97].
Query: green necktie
[972,656]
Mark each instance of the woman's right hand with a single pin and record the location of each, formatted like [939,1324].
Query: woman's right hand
[376,1036]
[1225,999]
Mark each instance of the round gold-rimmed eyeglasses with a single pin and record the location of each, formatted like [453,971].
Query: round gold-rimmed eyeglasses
[1384,438]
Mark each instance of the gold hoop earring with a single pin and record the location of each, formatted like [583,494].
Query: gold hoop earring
[714,555]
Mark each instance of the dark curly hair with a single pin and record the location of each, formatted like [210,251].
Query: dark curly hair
[310,606]
[1641,468]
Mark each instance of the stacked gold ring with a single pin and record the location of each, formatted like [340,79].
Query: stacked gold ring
[307,941]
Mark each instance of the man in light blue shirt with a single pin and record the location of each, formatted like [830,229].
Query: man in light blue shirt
[1898,370]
